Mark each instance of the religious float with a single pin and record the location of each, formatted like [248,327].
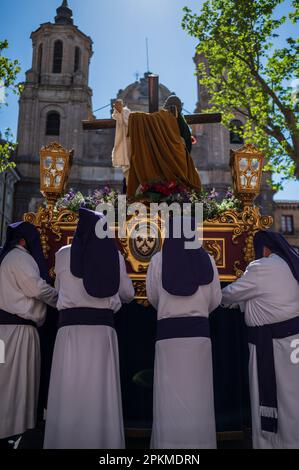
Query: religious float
[228,230]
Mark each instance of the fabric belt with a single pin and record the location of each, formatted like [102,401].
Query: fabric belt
[262,337]
[85,316]
[183,327]
[7,318]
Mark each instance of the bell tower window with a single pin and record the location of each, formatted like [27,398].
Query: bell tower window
[57,58]
[77,59]
[40,59]
[53,123]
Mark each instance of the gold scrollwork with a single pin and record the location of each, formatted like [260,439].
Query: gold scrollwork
[248,222]
[238,272]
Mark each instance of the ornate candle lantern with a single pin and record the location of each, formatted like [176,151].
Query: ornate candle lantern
[55,166]
[247,165]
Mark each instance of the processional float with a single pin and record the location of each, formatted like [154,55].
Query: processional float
[228,237]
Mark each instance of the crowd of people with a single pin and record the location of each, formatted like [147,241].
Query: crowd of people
[84,407]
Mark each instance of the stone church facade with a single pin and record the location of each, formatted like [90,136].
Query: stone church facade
[55,100]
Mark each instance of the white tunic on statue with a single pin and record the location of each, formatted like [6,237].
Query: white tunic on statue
[84,404]
[184,416]
[121,153]
[23,293]
[271,295]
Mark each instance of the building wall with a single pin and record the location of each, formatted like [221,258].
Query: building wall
[7,183]
[288,208]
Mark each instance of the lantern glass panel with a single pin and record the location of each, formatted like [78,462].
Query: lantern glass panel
[253,182]
[57,180]
[243,164]
[60,163]
[243,181]
[47,181]
[48,162]
[255,164]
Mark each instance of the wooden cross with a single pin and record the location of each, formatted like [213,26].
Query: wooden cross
[153,98]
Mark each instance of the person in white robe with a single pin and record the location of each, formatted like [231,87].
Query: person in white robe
[183,285]
[269,292]
[24,293]
[121,153]
[84,403]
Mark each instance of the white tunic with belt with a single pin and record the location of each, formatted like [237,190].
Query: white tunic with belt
[23,293]
[271,295]
[183,415]
[84,404]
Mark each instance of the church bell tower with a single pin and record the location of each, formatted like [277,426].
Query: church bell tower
[55,99]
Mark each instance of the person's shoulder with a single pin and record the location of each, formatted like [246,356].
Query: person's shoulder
[258,264]
[16,258]
[63,251]
[16,254]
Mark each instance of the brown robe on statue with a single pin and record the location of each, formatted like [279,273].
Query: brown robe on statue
[158,152]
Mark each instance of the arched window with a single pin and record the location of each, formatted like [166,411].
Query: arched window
[77,59]
[57,58]
[236,132]
[53,123]
[40,59]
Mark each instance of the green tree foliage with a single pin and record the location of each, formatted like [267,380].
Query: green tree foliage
[243,71]
[9,70]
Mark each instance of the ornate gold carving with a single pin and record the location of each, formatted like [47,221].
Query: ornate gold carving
[216,248]
[48,219]
[140,292]
[238,272]
[52,273]
[248,222]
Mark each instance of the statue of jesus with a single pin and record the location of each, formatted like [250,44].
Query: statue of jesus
[153,147]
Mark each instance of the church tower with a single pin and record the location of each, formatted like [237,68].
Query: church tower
[55,100]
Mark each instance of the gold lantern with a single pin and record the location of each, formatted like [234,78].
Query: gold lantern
[247,165]
[55,166]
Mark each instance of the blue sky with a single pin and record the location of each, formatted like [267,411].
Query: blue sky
[118,29]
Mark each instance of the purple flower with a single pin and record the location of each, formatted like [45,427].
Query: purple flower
[213,194]
[229,194]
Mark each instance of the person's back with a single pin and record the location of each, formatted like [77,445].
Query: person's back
[183,285]
[201,303]
[24,293]
[92,282]
[19,279]
[269,290]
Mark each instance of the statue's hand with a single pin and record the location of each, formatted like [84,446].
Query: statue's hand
[118,106]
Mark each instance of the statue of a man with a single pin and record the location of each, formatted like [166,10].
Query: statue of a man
[154,147]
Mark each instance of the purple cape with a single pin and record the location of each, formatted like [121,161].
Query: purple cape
[278,245]
[94,260]
[184,270]
[17,231]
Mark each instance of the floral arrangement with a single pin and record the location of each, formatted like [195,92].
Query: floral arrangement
[213,203]
[73,200]
[162,191]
